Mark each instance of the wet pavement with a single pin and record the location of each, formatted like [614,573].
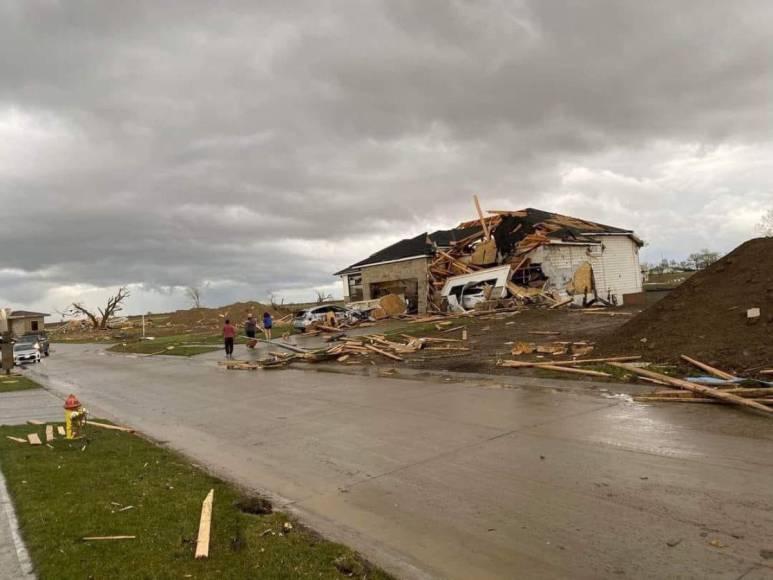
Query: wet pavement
[462,480]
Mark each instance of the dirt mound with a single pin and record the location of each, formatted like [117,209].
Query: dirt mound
[237,312]
[706,317]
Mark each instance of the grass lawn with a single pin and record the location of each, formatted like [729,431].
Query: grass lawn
[184,344]
[10,383]
[65,492]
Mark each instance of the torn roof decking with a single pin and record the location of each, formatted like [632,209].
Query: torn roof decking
[509,229]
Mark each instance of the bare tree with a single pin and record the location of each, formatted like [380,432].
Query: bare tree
[100,320]
[194,293]
[322,297]
[272,298]
[766,224]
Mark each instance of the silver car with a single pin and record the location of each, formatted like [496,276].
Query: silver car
[25,352]
[304,318]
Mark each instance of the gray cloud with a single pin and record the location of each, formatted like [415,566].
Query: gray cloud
[265,145]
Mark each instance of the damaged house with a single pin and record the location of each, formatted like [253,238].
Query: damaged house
[527,256]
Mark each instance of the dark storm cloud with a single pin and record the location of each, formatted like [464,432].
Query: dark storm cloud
[267,144]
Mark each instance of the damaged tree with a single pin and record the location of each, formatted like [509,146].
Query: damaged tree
[194,294]
[99,321]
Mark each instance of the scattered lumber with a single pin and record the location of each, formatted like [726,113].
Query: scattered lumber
[563,302]
[460,327]
[382,352]
[102,538]
[745,392]
[700,389]
[574,370]
[526,364]
[205,524]
[709,369]
[654,399]
[111,427]
[34,439]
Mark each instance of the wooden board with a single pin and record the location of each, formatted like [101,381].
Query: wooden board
[383,353]
[111,427]
[49,433]
[709,369]
[17,439]
[483,223]
[205,525]
[35,422]
[574,370]
[700,389]
[555,363]
[102,538]
[34,439]
[61,431]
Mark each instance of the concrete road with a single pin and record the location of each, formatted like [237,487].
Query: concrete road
[433,479]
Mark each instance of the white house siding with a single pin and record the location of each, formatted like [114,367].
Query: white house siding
[615,265]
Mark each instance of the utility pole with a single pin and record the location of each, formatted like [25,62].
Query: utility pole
[7,346]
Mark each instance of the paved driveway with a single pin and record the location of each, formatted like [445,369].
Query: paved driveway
[432,479]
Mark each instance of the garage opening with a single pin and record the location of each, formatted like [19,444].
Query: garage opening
[407,288]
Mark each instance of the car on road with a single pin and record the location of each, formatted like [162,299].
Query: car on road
[40,339]
[24,352]
[303,318]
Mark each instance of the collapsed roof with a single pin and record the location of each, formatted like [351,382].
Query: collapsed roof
[516,232]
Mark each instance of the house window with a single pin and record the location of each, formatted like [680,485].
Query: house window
[355,287]
[34,325]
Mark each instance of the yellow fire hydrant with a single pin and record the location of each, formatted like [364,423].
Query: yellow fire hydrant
[74,417]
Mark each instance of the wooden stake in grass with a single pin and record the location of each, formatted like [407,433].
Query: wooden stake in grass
[202,542]
[709,369]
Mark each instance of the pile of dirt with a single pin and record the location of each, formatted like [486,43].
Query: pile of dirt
[706,316]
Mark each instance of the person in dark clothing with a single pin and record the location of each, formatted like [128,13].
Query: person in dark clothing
[267,324]
[229,332]
[250,326]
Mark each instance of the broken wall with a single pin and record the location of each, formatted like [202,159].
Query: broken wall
[615,265]
[415,269]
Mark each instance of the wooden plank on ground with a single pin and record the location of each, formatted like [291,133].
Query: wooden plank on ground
[766,372]
[17,439]
[205,525]
[383,353]
[49,433]
[61,431]
[102,538]
[557,363]
[563,302]
[652,399]
[574,370]
[35,422]
[700,389]
[34,439]
[709,369]
[111,427]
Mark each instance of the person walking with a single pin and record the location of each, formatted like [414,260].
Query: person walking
[229,332]
[267,324]
[250,326]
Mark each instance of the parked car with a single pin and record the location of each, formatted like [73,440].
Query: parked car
[24,352]
[40,339]
[304,318]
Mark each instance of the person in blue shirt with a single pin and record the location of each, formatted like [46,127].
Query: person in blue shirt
[267,324]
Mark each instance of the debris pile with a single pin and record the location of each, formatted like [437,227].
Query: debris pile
[723,315]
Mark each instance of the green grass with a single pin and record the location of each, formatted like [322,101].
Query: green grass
[184,344]
[65,493]
[10,383]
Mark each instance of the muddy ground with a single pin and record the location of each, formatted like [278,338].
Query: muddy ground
[488,338]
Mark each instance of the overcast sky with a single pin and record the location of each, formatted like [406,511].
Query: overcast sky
[255,147]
